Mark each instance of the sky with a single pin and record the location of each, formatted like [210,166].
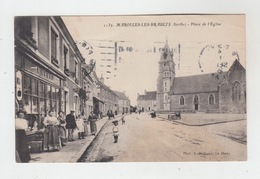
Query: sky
[205,42]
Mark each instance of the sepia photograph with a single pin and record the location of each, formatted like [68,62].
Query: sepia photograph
[130,88]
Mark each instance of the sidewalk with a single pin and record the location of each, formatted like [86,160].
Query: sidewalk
[72,152]
[203,119]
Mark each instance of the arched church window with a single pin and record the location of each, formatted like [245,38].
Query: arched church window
[236,91]
[181,100]
[211,99]
[196,99]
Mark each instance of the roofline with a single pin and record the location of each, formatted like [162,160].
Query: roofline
[200,74]
[193,93]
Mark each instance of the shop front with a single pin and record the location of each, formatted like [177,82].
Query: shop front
[38,89]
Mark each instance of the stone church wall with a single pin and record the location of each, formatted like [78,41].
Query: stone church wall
[189,106]
[227,105]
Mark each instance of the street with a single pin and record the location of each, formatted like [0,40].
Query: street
[145,139]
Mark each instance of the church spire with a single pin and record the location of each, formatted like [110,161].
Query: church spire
[166,53]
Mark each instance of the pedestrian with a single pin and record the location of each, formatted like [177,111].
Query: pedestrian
[80,126]
[123,118]
[93,126]
[22,148]
[51,133]
[62,128]
[115,130]
[85,124]
[71,125]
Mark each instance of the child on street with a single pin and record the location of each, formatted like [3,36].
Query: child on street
[80,127]
[115,131]
[123,118]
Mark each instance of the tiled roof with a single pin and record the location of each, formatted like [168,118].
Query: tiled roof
[197,83]
[150,95]
[121,95]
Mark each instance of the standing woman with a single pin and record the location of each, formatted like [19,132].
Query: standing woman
[93,126]
[85,125]
[62,129]
[51,132]
[22,150]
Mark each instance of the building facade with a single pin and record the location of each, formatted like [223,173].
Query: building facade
[165,78]
[123,103]
[147,102]
[47,68]
[107,99]
[212,93]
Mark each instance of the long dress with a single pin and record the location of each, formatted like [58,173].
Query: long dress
[22,149]
[93,125]
[51,134]
[85,127]
[80,125]
[62,129]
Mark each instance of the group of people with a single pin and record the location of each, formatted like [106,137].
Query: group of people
[62,129]
[56,133]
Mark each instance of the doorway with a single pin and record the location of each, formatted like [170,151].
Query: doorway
[196,102]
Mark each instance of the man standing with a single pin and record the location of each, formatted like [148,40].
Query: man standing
[70,125]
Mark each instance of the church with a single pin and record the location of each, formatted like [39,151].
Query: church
[223,92]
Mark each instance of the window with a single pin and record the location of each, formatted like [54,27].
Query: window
[54,37]
[76,69]
[181,100]
[236,91]
[65,57]
[54,45]
[211,99]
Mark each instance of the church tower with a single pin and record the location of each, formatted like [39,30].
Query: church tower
[165,78]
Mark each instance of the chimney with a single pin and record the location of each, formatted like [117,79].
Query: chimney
[145,91]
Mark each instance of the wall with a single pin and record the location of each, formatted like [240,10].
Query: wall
[227,105]
[43,32]
[189,102]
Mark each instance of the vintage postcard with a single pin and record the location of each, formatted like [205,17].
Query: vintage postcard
[139,88]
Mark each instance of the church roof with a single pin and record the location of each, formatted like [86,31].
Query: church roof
[150,95]
[197,83]
[121,95]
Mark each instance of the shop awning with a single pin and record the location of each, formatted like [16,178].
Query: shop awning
[97,100]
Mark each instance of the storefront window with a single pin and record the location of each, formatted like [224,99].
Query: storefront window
[48,105]
[34,87]
[34,105]
[27,104]
[48,92]
[27,85]
[42,106]
[57,94]
[41,89]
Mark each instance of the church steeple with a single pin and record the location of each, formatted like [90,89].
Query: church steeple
[165,78]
